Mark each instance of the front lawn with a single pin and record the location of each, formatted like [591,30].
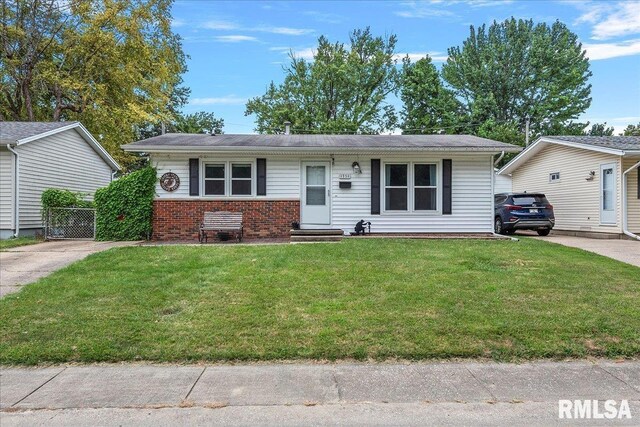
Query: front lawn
[20,241]
[367,298]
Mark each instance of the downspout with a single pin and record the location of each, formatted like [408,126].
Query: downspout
[498,159]
[16,192]
[624,202]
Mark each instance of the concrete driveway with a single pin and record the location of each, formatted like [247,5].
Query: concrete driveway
[623,250]
[25,264]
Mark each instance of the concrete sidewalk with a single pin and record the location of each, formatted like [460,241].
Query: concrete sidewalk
[25,264]
[379,394]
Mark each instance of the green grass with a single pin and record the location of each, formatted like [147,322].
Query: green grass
[20,241]
[368,298]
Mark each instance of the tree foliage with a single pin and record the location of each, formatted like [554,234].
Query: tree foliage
[428,107]
[516,69]
[600,129]
[111,64]
[200,122]
[343,89]
[632,130]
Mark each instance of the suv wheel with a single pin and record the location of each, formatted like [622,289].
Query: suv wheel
[544,232]
[498,226]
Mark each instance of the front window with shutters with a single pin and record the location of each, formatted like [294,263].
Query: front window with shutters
[410,187]
[228,179]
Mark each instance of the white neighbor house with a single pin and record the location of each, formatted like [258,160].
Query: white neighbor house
[35,156]
[591,181]
[401,183]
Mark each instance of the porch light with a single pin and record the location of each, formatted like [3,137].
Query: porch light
[356,167]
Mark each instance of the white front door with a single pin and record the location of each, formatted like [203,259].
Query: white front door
[316,194]
[608,193]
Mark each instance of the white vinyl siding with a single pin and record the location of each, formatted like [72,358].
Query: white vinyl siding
[64,160]
[633,203]
[471,189]
[283,174]
[502,184]
[575,200]
[471,197]
[6,189]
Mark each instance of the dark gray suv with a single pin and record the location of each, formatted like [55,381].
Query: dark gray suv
[523,211]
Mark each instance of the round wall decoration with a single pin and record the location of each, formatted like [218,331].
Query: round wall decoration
[169,181]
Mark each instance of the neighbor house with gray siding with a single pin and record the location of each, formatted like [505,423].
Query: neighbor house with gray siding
[399,183]
[591,181]
[35,156]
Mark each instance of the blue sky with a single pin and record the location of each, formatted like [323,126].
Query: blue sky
[236,48]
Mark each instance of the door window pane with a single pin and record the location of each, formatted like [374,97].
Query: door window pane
[395,175]
[425,199]
[396,199]
[607,190]
[316,196]
[425,175]
[315,175]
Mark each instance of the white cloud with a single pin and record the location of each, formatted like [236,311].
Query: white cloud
[598,51]
[219,25]
[223,100]
[283,30]
[438,8]
[415,56]
[610,19]
[176,23]
[307,53]
[235,38]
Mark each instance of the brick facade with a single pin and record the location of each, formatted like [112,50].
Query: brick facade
[180,219]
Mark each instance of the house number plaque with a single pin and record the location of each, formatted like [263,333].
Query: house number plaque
[169,181]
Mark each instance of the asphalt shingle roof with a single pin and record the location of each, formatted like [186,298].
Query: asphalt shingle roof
[11,132]
[615,142]
[184,140]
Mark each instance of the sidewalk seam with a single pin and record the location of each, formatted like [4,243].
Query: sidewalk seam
[483,385]
[40,386]
[335,381]
[619,379]
[194,384]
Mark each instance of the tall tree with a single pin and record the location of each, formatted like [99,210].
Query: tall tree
[111,64]
[343,89]
[428,107]
[516,69]
[200,122]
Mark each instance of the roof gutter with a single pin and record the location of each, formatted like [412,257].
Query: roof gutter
[267,149]
[625,230]
[15,221]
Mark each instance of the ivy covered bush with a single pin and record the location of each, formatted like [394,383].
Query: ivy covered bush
[124,209]
[60,198]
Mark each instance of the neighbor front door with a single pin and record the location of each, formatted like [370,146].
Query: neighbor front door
[608,193]
[316,194]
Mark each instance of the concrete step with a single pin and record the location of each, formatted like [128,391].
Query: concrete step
[320,238]
[319,232]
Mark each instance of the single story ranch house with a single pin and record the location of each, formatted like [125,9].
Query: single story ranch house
[400,183]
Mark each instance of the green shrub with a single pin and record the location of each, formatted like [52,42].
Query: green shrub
[124,209]
[61,198]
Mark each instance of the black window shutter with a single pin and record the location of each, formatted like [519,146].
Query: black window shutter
[261,165]
[446,186]
[194,177]
[375,186]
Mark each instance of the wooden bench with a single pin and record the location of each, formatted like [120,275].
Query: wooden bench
[221,222]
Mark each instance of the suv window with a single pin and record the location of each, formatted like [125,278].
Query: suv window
[500,199]
[530,200]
